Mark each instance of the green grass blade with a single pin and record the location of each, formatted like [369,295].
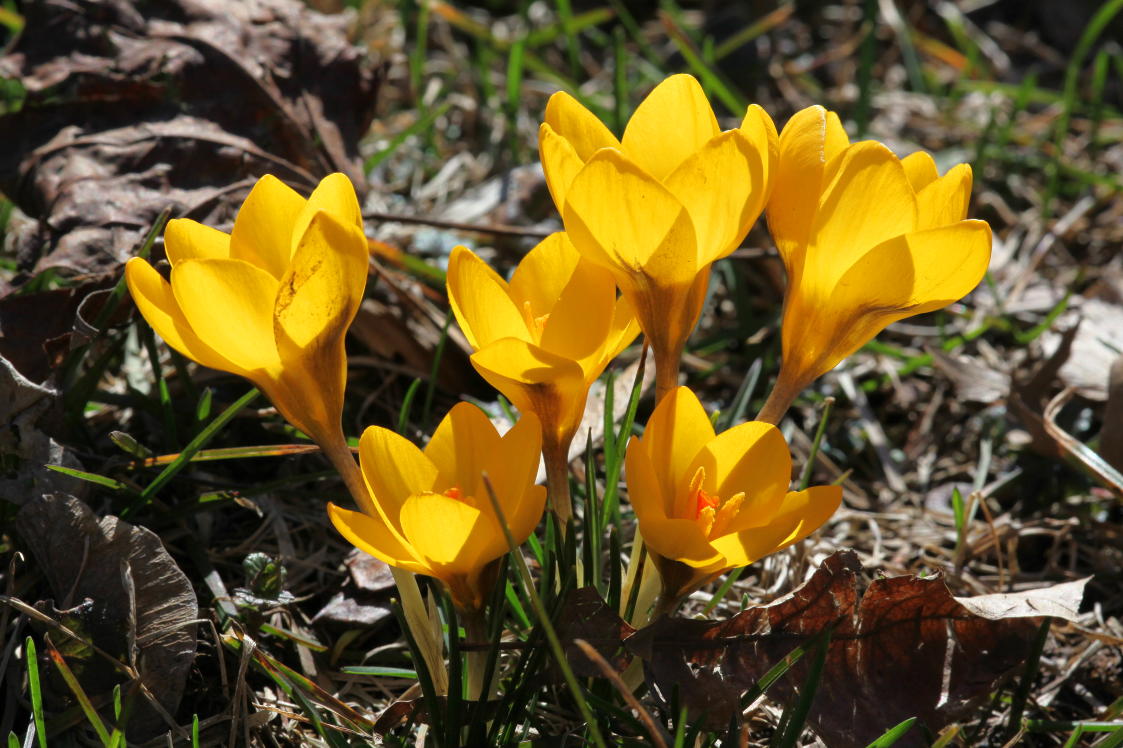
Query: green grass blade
[893,734]
[35,690]
[805,475]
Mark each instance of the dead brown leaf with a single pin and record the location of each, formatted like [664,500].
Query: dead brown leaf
[133,108]
[116,582]
[587,617]
[903,647]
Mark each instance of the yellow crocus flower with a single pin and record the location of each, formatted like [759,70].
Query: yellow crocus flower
[543,338]
[867,239]
[707,503]
[431,510]
[271,301]
[658,206]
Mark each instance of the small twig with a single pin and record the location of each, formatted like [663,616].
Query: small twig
[498,229]
[614,678]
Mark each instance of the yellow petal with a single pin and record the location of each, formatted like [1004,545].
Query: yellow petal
[945,200]
[229,304]
[681,540]
[578,326]
[560,163]
[370,534]
[543,273]
[536,381]
[571,120]
[799,182]
[481,302]
[394,469]
[323,287]
[185,239]
[646,494]
[623,330]
[801,514]
[759,128]
[452,536]
[462,447]
[907,275]
[334,195]
[868,201]
[752,458]
[676,432]
[674,121]
[621,218]
[721,186]
[514,467]
[154,298]
[263,229]
[920,170]
[835,140]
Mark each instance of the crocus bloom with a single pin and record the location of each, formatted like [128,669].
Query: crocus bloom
[867,239]
[543,338]
[708,503]
[660,205]
[271,301]
[432,512]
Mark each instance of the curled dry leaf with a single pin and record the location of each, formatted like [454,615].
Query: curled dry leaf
[115,582]
[903,647]
[130,107]
[30,413]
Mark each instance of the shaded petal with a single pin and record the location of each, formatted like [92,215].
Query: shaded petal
[570,119]
[462,448]
[802,513]
[536,381]
[578,326]
[621,218]
[674,121]
[452,536]
[371,535]
[676,432]
[681,540]
[322,289]
[394,469]
[229,304]
[154,298]
[752,458]
[720,185]
[798,182]
[263,229]
[334,195]
[544,272]
[560,163]
[185,239]
[624,329]
[759,128]
[945,200]
[648,497]
[514,467]
[481,301]
[920,168]
[868,201]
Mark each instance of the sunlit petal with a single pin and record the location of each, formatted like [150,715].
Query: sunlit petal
[371,535]
[481,301]
[674,121]
[185,239]
[263,229]
[944,201]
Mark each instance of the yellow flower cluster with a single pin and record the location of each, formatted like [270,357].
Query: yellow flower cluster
[866,239]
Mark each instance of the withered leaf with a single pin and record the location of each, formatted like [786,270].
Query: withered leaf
[132,107]
[129,593]
[903,647]
[586,616]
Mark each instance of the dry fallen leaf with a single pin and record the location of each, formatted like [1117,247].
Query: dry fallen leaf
[117,583]
[184,106]
[903,647]
[587,617]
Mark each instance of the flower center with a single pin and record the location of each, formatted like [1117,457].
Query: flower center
[712,514]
